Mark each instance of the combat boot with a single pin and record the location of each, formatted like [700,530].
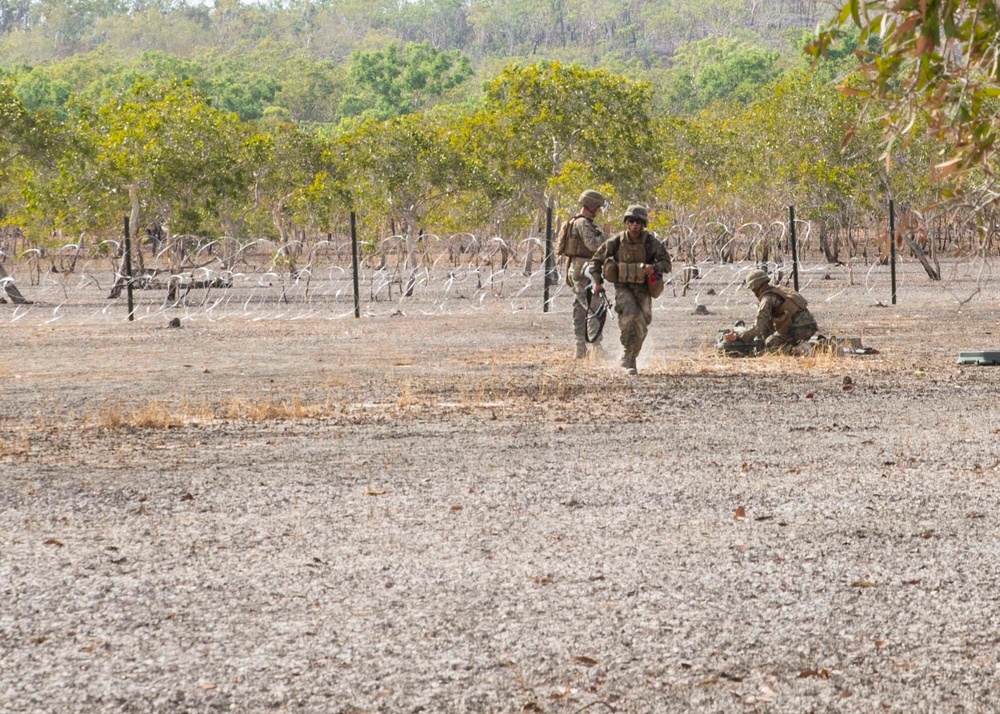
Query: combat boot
[628,363]
[581,350]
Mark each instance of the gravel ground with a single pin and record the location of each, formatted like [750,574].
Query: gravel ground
[448,514]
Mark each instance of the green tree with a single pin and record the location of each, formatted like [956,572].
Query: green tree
[401,79]
[681,21]
[28,141]
[536,121]
[442,23]
[14,14]
[286,179]
[934,67]
[403,167]
[715,69]
[159,149]
[39,92]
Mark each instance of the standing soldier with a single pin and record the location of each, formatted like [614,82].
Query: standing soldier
[631,260]
[783,320]
[582,239]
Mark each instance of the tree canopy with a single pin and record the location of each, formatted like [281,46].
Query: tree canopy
[933,66]
[266,119]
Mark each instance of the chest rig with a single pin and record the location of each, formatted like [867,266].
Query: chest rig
[791,305]
[629,260]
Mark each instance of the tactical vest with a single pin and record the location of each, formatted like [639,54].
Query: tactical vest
[791,305]
[575,247]
[631,259]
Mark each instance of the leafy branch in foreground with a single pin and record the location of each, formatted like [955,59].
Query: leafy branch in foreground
[932,64]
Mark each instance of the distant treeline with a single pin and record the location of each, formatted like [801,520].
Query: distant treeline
[273,120]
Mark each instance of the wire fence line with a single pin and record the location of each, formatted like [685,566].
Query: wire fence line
[191,277]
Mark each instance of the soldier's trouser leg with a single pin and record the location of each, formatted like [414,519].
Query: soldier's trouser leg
[786,344]
[635,312]
[579,281]
[778,344]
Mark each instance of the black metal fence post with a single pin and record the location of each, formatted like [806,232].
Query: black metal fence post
[548,255]
[795,254]
[128,270]
[892,249]
[354,265]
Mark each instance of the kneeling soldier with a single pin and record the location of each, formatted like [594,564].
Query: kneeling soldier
[783,320]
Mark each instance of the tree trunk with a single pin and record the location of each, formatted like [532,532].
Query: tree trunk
[410,261]
[831,249]
[933,271]
[133,230]
[12,292]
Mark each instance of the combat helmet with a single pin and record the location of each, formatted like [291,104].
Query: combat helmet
[639,212]
[592,200]
[756,278]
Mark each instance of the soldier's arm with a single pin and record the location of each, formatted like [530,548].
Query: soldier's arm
[764,324]
[589,233]
[597,262]
[661,258]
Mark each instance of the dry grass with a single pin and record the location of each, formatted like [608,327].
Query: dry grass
[407,397]
[157,415]
[239,408]
[708,361]
[154,415]
[14,446]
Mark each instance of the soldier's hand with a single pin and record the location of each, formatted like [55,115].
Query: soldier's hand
[730,337]
[598,288]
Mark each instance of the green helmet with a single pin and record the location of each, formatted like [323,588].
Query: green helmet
[756,278]
[592,200]
[638,212]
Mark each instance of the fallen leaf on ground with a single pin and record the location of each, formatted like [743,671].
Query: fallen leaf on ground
[819,673]
[369,491]
[585,660]
[53,541]
[740,514]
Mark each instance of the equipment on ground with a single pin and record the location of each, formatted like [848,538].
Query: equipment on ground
[738,347]
[979,357]
[597,313]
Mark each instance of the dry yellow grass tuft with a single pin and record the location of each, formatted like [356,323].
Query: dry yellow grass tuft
[709,361]
[268,410]
[406,397]
[157,415]
[14,446]
[150,416]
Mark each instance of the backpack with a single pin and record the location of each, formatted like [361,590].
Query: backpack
[563,237]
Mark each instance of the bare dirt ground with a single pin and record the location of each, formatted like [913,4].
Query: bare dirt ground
[448,514]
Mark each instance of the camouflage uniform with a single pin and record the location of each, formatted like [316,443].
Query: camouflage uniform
[586,237]
[783,321]
[633,302]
